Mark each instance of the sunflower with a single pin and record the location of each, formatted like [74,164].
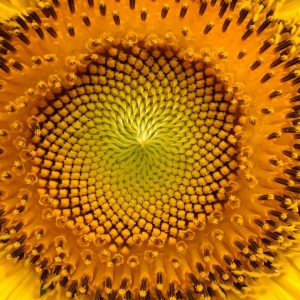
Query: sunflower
[149,149]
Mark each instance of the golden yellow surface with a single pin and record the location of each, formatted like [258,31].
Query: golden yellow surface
[255,175]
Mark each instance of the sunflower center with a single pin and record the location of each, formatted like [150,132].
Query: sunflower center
[143,143]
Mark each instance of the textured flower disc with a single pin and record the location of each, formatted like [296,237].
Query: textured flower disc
[149,148]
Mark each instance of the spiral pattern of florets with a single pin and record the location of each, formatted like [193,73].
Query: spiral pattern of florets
[143,143]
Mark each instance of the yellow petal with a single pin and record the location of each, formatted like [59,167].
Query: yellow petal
[11,7]
[20,281]
[17,281]
[286,286]
[289,10]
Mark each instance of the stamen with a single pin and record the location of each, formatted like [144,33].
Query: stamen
[71,4]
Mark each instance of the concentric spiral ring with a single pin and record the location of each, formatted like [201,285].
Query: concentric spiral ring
[147,137]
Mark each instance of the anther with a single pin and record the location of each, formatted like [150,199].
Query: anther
[22,23]
[44,275]
[90,3]
[22,37]
[143,287]
[112,295]
[253,246]
[86,20]
[193,278]
[183,10]
[292,62]
[277,214]
[36,60]
[240,245]
[257,63]
[71,30]
[51,31]
[143,14]
[19,252]
[171,290]
[98,295]
[270,13]
[34,259]
[229,262]
[242,15]
[44,8]
[289,76]
[266,77]
[108,284]
[49,57]
[159,280]
[35,17]
[71,4]
[159,294]
[203,7]
[264,25]
[281,181]
[3,60]
[274,162]
[275,94]
[4,67]
[283,45]
[288,153]
[37,249]
[102,8]
[266,45]
[123,285]
[200,268]
[7,45]
[248,32]
[84,284]
[278,61]
[39,31]
[296,80]
[273,235]
[189,295]
[3,51]
[242,53]
[290,129]
[208,28]
[273,135]
[4,34]
[294,99]
[52,12]
[185,31]
[55,2]
[116,17]
[233,4]
[294,189]
[72,290]
[42,265]
[224,6]
[296,146]
[220,271]
[251,22]
[164,11]
[56,270]
[27,17]
[128,295]
[226,24]
[132,4]
[64,281]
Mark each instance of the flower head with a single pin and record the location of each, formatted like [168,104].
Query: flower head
[149,148]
